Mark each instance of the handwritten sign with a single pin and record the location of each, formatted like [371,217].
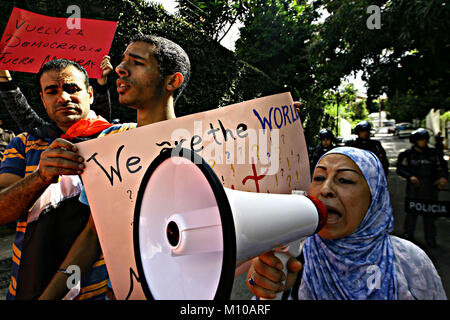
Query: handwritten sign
[256,146]
[31,40]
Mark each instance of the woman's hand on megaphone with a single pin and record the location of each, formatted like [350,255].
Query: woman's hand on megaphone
[267,275]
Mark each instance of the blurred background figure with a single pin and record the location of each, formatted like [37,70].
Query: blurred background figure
[362,130]
[426,173]
[327,140]
[439,144]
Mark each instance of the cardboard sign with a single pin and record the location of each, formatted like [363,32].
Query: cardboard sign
[31,40]
[256,146]
[428,207]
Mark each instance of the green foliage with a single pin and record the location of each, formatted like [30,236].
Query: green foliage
[284,47]
[350,108]
[406,108]
[275,39]
[214,18]
[359,111]
[407,56]
[218,78]
[445,117]
[407,59]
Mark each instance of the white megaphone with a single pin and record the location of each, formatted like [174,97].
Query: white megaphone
[190,232]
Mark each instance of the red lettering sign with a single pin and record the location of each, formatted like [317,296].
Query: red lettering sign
[31,40]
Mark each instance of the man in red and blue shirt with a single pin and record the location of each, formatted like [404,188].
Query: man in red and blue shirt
[40,186]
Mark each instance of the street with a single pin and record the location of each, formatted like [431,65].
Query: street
[393,145]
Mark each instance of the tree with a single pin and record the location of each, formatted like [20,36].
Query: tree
[407,56]
[218,78]
[215,18]
[275,39]
[407,107]
[343,103]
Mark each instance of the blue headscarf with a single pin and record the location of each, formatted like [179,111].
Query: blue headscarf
[361,265]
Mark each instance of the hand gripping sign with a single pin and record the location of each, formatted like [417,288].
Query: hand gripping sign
[256,146]
[31,40]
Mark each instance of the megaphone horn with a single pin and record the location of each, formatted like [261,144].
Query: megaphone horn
[190,232]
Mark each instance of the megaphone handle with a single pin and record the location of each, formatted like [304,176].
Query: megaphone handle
[284,257]
[294,250]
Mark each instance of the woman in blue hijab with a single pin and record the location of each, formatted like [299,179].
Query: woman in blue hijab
[353,257]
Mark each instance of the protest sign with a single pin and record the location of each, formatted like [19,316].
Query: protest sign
[256,146]
[31,40]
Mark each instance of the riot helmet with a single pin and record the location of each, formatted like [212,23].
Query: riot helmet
[363,126]
[419,134]
[325,133]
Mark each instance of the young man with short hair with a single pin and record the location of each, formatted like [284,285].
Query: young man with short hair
[152,75]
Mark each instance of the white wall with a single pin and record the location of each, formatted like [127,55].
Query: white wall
[345,128]
[432,120]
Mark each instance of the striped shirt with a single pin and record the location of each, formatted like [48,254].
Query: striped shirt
[22,158]
[117,128]
[111,130]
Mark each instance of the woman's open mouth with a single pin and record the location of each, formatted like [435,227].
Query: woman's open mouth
[333,215]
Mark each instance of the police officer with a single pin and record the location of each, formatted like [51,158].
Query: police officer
[363,141]
[326,144]
[426,172]
[439,144]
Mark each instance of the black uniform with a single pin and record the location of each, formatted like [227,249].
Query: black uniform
[373,146]
[428,166]
[439,145]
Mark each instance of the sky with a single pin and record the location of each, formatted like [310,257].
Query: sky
[232,36]
[169,5]
[227,42]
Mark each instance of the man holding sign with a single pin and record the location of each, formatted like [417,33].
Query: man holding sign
[152,75]
[40,184]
